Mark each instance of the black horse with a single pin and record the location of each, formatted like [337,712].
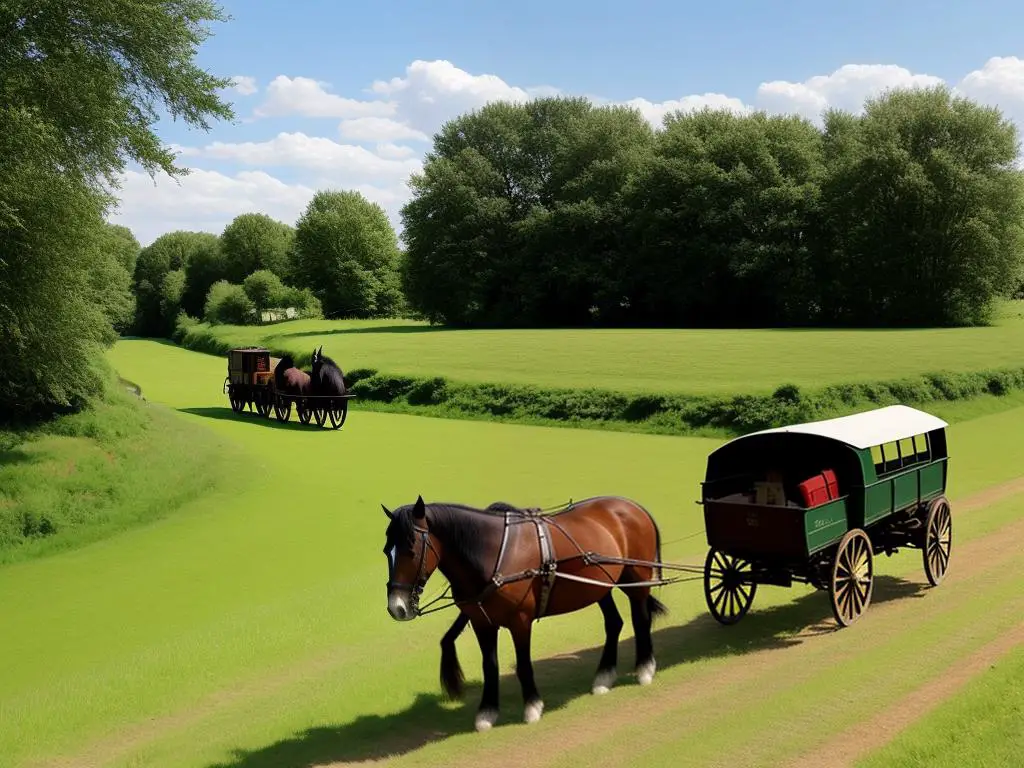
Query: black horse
[328,378]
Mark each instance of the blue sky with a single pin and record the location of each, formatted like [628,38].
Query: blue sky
[309,118]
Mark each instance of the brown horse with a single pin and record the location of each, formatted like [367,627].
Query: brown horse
[291,380]
[504,564]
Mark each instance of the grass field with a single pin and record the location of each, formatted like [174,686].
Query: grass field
[664,360]
[250,629]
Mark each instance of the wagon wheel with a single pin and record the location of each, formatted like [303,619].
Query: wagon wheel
[938,541]
[264,404]
[303,411]
[237,402]
[320,413]
[338,414]
[282,408]
[853,577]
[728,587]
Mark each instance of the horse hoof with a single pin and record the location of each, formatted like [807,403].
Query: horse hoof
[645,672]
[533,711]
[486,720]
[604,681]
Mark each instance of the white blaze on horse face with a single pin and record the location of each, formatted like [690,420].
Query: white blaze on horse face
[392,555]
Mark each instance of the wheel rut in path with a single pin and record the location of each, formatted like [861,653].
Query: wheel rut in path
[857,742]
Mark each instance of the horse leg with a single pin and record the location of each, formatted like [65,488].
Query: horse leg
[522,630]
[606,668]
[487,714]
[451,671]
[640,603]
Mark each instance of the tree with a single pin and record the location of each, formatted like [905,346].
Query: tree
[265,290]
[924,208]
[254,241]
[721,221]
[517,216]
[80,90]
[227,303]
[346,253]
[205,266]
[173,252]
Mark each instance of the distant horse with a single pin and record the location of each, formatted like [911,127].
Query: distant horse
[503,564]
[291,380]
[328,378]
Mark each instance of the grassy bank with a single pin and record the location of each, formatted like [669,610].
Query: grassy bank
[668,413]
[677,361]
[84,476]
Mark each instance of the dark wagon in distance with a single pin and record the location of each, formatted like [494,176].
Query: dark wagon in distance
[815,503]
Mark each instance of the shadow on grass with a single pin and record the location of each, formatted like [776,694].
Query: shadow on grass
[561,679]
[271,422]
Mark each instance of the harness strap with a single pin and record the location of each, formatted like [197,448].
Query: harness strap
[548,566]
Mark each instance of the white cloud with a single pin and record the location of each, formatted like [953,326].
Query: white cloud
[1000,83]
[203,200]
[655,112]
[391,151]
[433,92]
[309,98]
[244,85]
[379,129]
[412,107]
[313,152]
[846,88]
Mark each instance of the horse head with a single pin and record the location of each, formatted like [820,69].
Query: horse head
[413,554]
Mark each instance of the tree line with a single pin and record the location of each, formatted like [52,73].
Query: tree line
[341,259]
[559,212]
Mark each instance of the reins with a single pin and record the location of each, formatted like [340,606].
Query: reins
[548,568]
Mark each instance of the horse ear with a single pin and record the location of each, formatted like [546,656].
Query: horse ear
[419,511]
[387,512]
[320,352]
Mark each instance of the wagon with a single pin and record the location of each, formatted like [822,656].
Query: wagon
[250,382]
[815,503]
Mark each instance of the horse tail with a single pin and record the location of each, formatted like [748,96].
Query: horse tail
[654,606]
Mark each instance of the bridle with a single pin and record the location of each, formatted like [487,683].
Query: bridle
[416,588]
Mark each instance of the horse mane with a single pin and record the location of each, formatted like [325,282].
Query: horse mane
[328,373]
[283,365]
[464,528]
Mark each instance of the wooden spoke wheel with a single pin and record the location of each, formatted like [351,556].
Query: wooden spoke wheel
[938,541]
[338,414]
[853,577]
[237,401]
[303,411]
[320,414]
[282,408]
[264,404]
[729,588]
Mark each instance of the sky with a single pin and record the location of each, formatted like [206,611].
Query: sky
[333,95]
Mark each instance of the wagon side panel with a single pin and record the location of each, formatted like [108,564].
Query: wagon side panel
[826,524]
[745,529]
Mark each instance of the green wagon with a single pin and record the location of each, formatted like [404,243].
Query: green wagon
[815,503]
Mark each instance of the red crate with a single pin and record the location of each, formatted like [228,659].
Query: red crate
[819,489]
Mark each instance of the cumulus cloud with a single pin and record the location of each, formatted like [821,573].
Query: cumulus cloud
[203,200]
[314,152]
[655,112]
[413,106]
[379,129]
[847,88]
[244,85]
[1000,83]
[310,98]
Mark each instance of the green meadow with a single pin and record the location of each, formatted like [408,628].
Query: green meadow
[246,626]
[712,362]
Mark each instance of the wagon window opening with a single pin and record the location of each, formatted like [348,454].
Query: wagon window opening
[899,454]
